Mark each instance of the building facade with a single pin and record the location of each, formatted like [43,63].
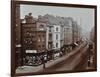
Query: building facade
[52,32]
[61,31]
[68,31]
[76,32]
[57,37]
[49,37]
[41,35]
[33,35]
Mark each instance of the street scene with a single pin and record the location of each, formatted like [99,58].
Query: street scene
[54,39]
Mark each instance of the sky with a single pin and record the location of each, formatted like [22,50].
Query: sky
[83,16]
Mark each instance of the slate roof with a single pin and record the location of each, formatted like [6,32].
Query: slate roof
[57,20]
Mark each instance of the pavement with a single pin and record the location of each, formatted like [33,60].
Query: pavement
[28,69]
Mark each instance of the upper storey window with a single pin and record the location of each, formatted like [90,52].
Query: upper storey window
[57,29]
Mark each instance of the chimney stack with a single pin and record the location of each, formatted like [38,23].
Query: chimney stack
[29,18]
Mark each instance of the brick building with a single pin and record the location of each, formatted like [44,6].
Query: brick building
[33,35]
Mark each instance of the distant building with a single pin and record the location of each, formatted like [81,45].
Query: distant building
[76,32]
[68,31]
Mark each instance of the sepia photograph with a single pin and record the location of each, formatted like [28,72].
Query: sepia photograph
[49,38]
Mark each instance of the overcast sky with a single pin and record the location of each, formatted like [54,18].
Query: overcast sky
[84,16]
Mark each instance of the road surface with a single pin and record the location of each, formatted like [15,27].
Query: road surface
[74,62]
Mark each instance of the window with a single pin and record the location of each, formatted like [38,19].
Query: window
[56,36]
[49,29]
[39,46]
[30,41]
[30,34]
[41,26]
[43,38]
[56,44]
[43,46]
[26,41]
[38,39]
[57,29]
